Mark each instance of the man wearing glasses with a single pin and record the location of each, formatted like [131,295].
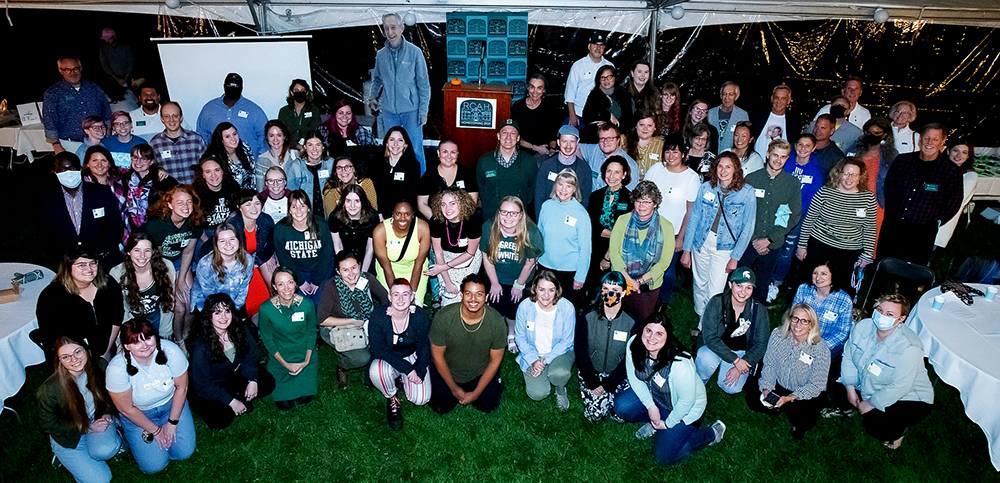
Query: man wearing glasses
[67,102]
[608,144]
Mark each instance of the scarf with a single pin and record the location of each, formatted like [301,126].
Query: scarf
[507,164]
[608,209]
[640,257]
[356,304]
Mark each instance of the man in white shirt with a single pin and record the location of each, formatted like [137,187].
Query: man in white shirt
[725,116]
[778,123]
[581,78]
[856,113]
[902,114]
[146,119]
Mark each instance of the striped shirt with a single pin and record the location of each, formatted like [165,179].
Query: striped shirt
[835,312]
[802,368]
[841,220]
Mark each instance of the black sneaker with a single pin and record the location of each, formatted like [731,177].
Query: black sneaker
[394,413]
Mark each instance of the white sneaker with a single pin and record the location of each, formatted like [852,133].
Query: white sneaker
[772,293]
[562,400]
[719,428]
[645,431]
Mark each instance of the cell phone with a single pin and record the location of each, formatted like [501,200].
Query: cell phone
[771,400]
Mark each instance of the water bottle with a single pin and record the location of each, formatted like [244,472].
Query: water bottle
[23,278]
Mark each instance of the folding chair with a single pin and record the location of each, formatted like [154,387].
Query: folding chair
[898,276]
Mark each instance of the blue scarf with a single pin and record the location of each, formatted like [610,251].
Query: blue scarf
[641,256]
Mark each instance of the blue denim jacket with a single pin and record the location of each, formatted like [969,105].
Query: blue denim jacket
[236,283]
[740,211]
[299,177]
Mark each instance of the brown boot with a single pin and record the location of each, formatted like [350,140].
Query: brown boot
[342,375]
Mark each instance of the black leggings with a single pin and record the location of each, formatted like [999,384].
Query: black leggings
[891,424]
[219,415]
[801,413]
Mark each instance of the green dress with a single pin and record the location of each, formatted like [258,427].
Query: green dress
[290,331]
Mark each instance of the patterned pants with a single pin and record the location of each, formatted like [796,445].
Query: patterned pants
[596,408]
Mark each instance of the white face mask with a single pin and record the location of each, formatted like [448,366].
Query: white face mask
[70,179]
[882,321]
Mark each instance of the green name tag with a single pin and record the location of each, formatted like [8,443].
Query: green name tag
[491,174]
[930,187]
[140,123]
[622,206]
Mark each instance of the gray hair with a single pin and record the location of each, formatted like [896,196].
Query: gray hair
[391,15]
[569,176]
[647,189]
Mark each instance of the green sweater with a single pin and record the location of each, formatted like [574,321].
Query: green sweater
[772,193]
[496,182]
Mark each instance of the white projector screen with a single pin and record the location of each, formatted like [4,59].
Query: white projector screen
[195,69]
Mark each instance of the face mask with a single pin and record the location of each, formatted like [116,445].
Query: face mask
[233,92]
[299,96]
[70,179]
[838,111]
[610,299]
[873,139]
[882,321]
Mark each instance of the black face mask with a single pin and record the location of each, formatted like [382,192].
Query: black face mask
[233,92]
[299,96]
[838,111]
[872,139]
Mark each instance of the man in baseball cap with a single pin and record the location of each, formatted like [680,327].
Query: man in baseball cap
[507,171]
[232,107]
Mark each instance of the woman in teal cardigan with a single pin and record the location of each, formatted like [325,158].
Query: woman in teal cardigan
[544,331]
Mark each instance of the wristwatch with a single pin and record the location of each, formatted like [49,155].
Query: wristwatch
[148,437]
[175,422]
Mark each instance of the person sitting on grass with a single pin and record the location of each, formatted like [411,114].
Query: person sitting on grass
[665,393]
[544,331]
[599,345]
[884,372]
[467,346]
[401,351]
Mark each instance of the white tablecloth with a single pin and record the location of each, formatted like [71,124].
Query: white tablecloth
[963,344]
[24,139]
[986,188]
[17,319]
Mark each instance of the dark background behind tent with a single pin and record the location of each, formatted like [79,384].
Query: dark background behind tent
[949,72]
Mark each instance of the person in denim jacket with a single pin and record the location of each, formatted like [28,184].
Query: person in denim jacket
[227,269]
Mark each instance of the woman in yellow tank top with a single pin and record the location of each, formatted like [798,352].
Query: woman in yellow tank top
[389,240]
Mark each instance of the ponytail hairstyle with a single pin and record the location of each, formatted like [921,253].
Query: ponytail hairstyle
[136,330]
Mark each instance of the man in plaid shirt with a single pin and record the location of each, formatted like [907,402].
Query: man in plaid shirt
[922,190]
[177,149]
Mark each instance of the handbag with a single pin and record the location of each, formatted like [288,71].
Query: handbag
[348,338]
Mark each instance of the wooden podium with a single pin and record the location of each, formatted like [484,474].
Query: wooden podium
[472,113]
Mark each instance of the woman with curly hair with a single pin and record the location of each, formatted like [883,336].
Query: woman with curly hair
[147,281]
[668,110]
[226,375]
[235,156]
[456,246]
[228,269]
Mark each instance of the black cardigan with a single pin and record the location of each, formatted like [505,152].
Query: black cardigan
[209,373]
[598,108]
[62,313]
[380,340]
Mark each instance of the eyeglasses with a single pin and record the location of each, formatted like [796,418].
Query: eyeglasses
[852,175]
[274,182]
[607,77]
[345,168]
[643,202]
[141,158]
[82,265]
[509,213]
[698,109]
[122,124]
[77,354]
[71,70]
[607,139]
[798,321]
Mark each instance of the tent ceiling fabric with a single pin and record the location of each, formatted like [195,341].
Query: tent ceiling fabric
[629,15]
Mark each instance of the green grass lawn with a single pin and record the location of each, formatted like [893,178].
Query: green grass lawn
[342,434]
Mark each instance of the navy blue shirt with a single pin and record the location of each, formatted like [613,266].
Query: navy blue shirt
[65,106]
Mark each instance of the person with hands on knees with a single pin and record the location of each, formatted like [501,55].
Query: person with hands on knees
[599,344]
[148,382]
[734,333]
[565,227]
[456,246]
[884,372]
[288,330]
[544,330]
[226,376]
[401,351]
[76,413]
[794,375]
[467,346]
[303,242]
[512,246]
[665,393]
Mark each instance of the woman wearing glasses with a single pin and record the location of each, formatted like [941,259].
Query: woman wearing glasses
[121,141]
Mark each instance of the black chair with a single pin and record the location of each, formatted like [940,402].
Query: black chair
[898,276]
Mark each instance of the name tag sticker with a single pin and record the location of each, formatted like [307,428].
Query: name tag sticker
[185,243]
[362,283]
[165,154]
[491,174]
[395,339]
[621,335]
[875,369]
[243,114]
[654,156]
[464,242]
[98,212]
[307,115]
[399,176]
[806,358]
[140,123]
[460,184]
[530,325]
[622,206]
[829,315]
[759,192]
[861,212]
[570,220]
[930,187]
[709,196]
[298,316]
[552,176]
[658,379]
[807,179]
[324,173]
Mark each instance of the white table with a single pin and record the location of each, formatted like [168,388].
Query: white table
[25,139]
[17,319]
[962,343]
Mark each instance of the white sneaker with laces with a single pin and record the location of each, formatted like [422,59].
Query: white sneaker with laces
[772,292]
[720,429]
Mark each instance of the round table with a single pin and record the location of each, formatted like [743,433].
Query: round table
[962,343]
[17,319]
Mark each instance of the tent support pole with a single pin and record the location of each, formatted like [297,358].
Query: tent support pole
[256,18]
[654,22]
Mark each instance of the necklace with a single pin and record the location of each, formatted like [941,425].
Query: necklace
[405,324]
[447,232]
[479,325]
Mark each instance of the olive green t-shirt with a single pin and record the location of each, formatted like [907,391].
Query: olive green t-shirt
[467,348]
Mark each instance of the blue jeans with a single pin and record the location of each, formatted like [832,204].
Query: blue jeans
[86,462]
[150,457]
[785,254]
[669,277]
[410,121]
[669,445]
[706,361]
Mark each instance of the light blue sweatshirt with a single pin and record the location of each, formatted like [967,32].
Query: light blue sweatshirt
[687,392]
[565,229]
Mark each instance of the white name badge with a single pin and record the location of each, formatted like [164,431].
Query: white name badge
[165,154]
[464,242]
[807,179]
[185,243]
[654,156]
[552,176]
[806,358]
[829,315]
[658,379]
[298,316]
[759,192]
[709,196]
[621,335]
[307,115]
[395,339]
[362,283]
[98,212]
[861,213]
[242,114]
[324,173]
[399,176]
[732,128]
[570,220]
[874,369]
[530,325]
[460,184]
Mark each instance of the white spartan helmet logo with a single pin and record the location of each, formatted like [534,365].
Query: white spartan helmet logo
[746,274]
